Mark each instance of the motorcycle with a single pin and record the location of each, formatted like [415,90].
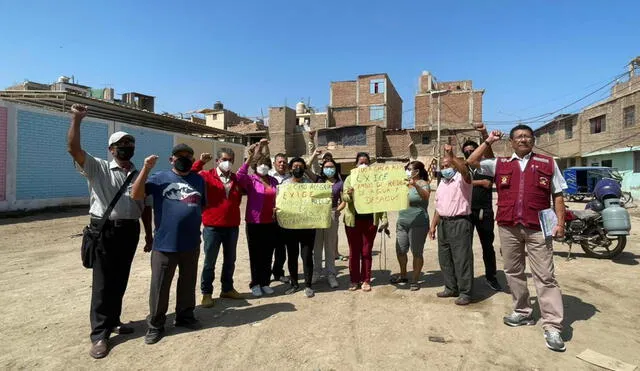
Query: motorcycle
[602,228]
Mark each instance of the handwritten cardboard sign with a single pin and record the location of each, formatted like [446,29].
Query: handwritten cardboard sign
[379,188]
[304,205]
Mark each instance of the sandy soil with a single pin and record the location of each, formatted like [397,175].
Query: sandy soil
[44,321]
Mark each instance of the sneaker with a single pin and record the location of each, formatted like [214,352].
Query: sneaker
[333,282]
[153,335]
[463,300]
[517,319]
[284,279]
[308,292]
[190,323]
[255,291]
[267,290]
[231,294]
[315,277]
[493,283]
[292,290]
[207,301]
[554,341]
[447,294]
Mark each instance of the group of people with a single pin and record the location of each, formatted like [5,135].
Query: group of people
[187,199]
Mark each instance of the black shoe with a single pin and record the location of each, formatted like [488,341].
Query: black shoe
[99,349]
[447,294]
[292,290]
[122,330]
[190,323]
[153,335]
[493,283]
[463,300]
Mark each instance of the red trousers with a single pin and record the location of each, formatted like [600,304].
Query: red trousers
[360,240]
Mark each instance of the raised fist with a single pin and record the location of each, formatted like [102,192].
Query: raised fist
[494,136]
[448,149]
[205,157]
[150,162]
[264,142]
[79,110]
[479,126]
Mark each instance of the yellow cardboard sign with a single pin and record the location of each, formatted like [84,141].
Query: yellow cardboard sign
[379,188]
[304,205]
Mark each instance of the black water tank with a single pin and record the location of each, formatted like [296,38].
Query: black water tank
[218,105]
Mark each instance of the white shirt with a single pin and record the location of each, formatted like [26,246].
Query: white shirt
[226,181]
[558,184]
[279,177]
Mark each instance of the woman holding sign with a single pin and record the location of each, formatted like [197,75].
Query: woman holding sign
[327,239]
[413,224]
[261,224]
[361,232]
[299,241]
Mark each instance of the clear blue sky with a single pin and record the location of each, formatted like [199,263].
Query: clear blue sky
[530,59]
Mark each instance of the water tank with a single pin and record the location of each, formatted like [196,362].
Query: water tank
[218,106]
[301,108]
[63,79]
[615,218]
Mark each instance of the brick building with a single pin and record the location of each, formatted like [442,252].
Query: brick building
[369,100]
[606,133]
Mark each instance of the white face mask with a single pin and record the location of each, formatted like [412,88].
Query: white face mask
[362,166]
[262,169]
[224,166]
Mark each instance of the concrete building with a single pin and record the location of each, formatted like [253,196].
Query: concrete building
[369,100]
[221,118]
[606,133]
[35,168]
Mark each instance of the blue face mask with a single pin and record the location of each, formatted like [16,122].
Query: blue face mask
[448,172]
[329,171]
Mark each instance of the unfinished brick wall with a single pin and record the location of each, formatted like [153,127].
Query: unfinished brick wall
[343,94]
[282,123]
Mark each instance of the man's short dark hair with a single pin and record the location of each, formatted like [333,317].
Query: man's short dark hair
[520,127]
[470,143]
[228,151]
[282,155]
[363,154]
[297,159]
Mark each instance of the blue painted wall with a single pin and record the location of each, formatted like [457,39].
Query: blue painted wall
[45,169]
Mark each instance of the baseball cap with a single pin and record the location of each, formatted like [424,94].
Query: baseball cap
[181,148]
[115,137]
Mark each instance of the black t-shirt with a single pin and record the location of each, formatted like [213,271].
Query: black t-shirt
[482,198]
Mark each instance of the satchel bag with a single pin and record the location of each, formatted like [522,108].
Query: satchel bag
[91,235]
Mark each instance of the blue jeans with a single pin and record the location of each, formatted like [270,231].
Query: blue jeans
[213,237]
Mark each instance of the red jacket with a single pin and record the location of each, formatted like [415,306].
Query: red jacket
[522,194]
[220,211]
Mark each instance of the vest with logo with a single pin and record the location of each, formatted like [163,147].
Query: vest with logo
[522,194]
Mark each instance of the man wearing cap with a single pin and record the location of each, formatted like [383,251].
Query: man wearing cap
[120,234]
[178,198]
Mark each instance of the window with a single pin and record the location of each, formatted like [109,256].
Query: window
[376,86]
[376,113]
[568,130]
[607,163]
[598,124]
[629,115]
[636,161]
[214,116]
[349,136]
[426,139]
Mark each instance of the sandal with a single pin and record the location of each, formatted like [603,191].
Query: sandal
[414,286]
[366,287]
[398,280]
[344,258]
[353,287]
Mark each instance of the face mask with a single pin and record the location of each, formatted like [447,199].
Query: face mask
[467,154]
[183,164]
[409,173]
[329,171]
[224,166]
[298,172]
[448,173]
[262,169]
[362,166]
[124,153]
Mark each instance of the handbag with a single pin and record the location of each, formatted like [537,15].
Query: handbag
[91,235]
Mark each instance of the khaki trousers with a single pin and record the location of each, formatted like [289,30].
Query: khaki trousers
[513,241]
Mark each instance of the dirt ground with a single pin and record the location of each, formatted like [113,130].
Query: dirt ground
[44,320]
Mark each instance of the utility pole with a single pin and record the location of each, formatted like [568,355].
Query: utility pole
[439,93]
